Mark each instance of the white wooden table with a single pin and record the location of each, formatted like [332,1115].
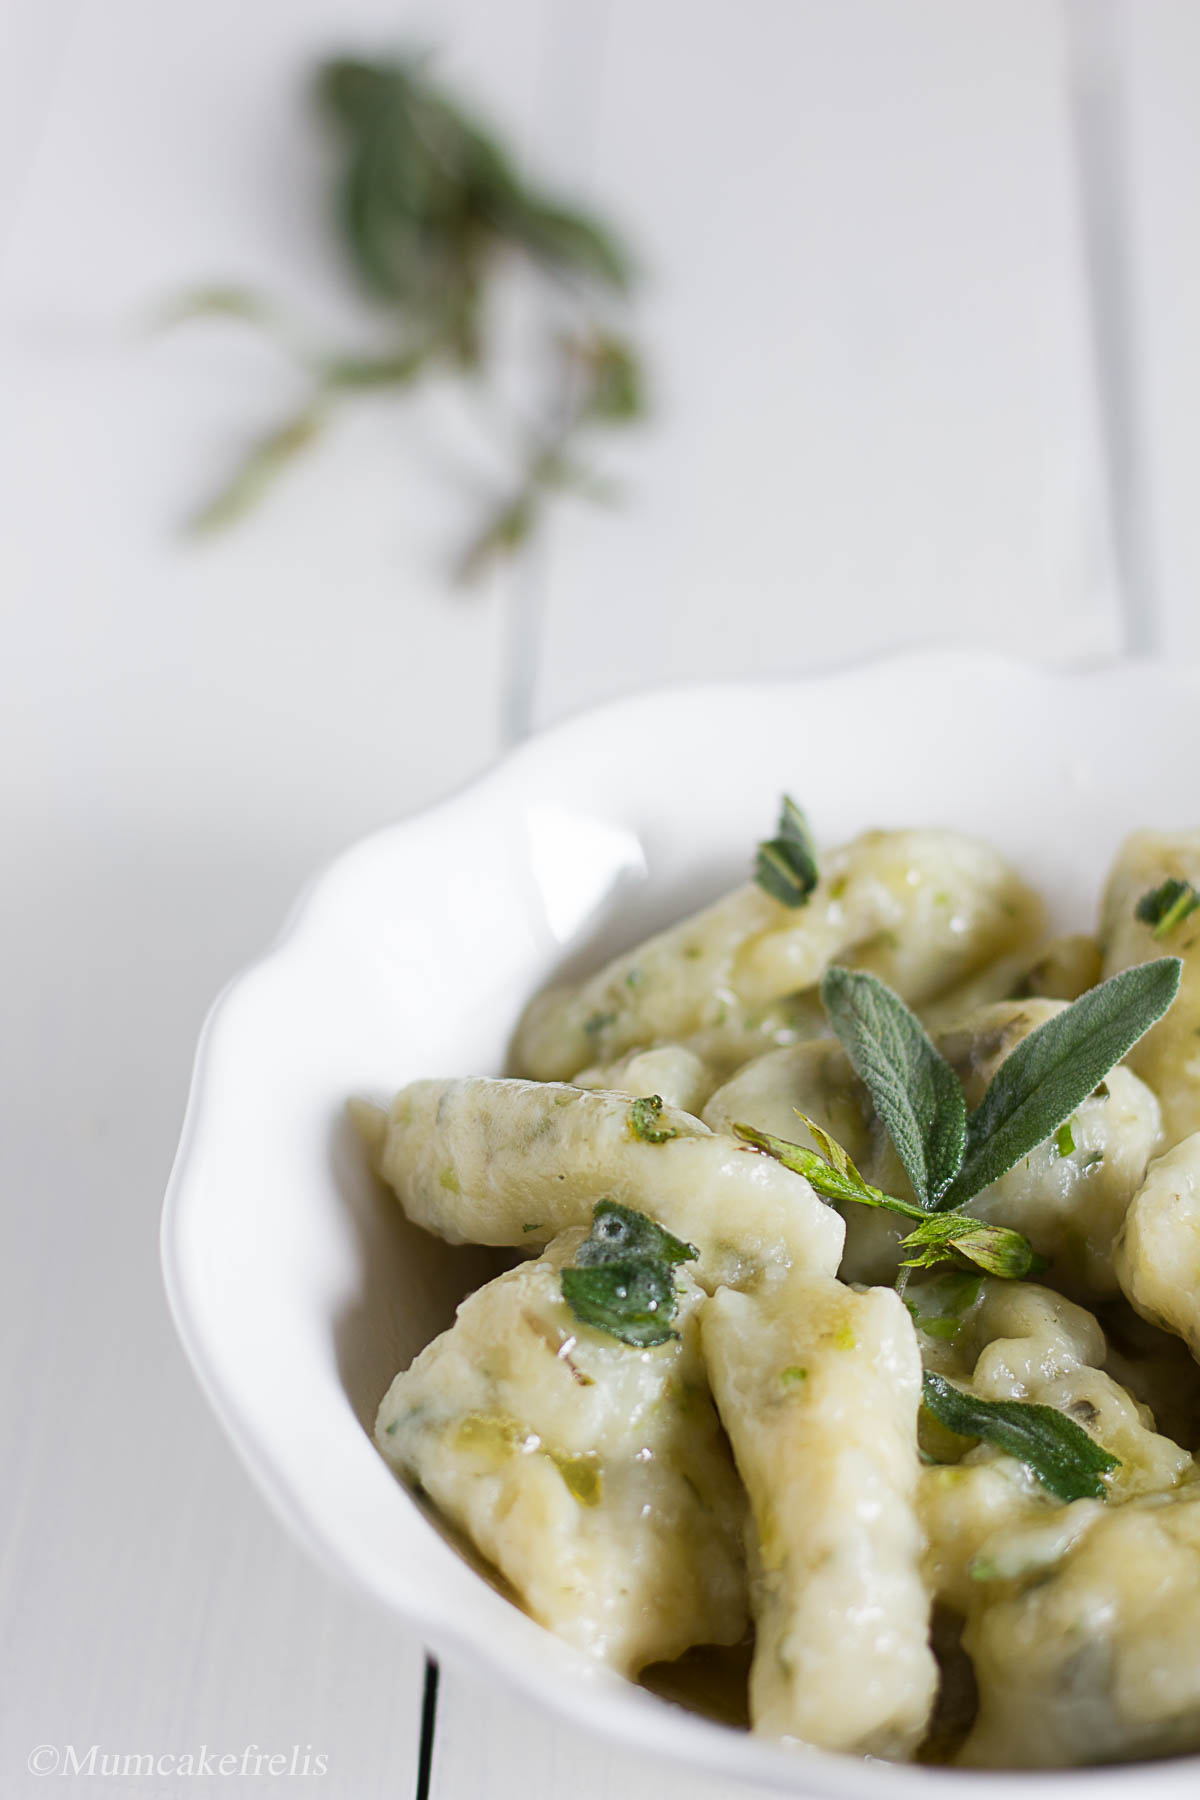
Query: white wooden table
[924,299]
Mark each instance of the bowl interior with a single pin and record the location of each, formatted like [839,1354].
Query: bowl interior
[298,1287]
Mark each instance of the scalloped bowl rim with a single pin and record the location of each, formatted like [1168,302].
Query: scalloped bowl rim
[456,1624]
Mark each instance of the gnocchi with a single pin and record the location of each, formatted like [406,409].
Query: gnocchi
[845,1305]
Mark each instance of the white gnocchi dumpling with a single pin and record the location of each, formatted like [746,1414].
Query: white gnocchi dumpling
[1168,1057]
[1093,1655]
[1018,1340]
[769,1460]
[1061,969]
[591,1473]
[515,1162]
[919,909]
[672,1071]
[818,1388]
[815,1080]
[1158,1254]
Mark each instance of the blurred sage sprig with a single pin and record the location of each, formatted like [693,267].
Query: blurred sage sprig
[430,207]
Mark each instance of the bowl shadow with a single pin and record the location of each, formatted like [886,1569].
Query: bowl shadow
[391,1316]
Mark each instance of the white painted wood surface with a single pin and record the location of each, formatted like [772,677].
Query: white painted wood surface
[1159,47]
[876,423]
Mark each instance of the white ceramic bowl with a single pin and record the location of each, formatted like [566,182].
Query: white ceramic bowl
[297,1287]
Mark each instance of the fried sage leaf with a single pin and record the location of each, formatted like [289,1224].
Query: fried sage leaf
[1068,1463]
[916,1093]
[634,1301]
[786,865]
[1167,906]
[622,1280]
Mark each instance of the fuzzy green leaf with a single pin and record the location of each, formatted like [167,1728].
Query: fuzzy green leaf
[1056,1067]
[1067,1462]
[915,1091]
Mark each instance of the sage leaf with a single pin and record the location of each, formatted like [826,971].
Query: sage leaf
[620,1234]
[1167,906]
[786,865]
[634,1301]
[916,1093]
[1055,1068]
[430,207]
[1066,1460]
[622,1280]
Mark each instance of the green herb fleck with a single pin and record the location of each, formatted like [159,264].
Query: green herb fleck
[536,1226]
[635,978]
[449,1180]
[644,1116]
[786,865]
[1167,906]
[599,1022]
[582,1474]
[792,1375]
[1064,1139]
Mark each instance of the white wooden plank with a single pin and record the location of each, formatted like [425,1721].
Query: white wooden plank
[185,734]
[491,1746]
[33,42]
[876,419]
[1159,44]
[875,415]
